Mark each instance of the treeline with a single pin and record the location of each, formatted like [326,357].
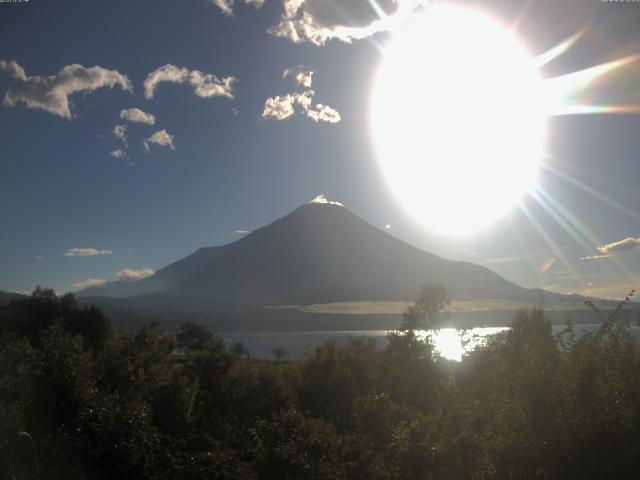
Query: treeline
[151,404]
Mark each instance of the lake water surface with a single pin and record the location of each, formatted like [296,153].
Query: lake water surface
[451,343]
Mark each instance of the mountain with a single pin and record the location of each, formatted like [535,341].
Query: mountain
[319,253]
[6,297]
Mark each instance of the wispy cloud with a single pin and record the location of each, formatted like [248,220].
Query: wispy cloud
[595,257]
[242,232]
[120,132]
[119,154]
[89,282]
[204,85]
[86,252]
[137,116]
[300,74]
[282,107]
[626,244]
[128,274]
[160,138]
[317,21]
[227,5]
[52,93]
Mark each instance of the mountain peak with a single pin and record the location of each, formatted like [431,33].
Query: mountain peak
[321,199]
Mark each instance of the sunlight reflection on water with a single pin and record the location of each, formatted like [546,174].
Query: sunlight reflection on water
[452,344]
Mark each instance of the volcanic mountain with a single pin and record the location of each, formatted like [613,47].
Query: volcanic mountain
[319,253]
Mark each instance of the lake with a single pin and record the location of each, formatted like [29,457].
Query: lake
[449,342]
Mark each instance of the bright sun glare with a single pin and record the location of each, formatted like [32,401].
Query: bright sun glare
[458,119]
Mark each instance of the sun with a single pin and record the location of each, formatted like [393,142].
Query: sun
[458,119]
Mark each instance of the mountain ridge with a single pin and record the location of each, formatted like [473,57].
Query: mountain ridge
[319,253]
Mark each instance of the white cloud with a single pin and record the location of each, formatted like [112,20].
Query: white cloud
[279,107]
[52,93]
[120,132]
[323,113]
[89,282]
[86,252]
[282,107]
[138,116]
[596,257]
[161,138]
[227,5]
[321,199]
[302,76]
[204,85]
[127,274]
[317,21]
[119,154]
[626,244]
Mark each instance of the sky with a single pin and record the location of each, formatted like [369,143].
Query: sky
[134,133]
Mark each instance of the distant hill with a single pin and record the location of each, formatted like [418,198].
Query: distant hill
[6,297]
[319,253]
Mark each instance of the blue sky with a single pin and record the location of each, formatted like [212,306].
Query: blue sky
[234,168]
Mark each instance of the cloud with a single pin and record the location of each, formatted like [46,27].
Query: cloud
[596,257]
[323,113]
[161,138]
[279,107]
[282,107]
[120,132]
[317,21]
[89,282]
[302,76]
[86,252]
[52,93]
[137,116]
[204,85]
[128,274]
[242,232]
[119,154]
[626,244]
[227,5]
[321,199]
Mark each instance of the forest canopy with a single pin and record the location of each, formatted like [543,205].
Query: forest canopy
[146,403]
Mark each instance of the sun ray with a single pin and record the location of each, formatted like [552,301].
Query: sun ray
[559,49]
[551,243]
[573,93]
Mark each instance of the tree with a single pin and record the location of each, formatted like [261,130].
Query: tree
[426,311]
[279,353]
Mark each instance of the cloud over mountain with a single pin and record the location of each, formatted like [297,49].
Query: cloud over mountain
[128,274]
[52,93]
[205,85]
[89,282]
[86,252]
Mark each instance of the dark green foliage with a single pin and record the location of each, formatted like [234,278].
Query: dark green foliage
[151,404]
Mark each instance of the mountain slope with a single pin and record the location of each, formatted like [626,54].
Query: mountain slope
[318,254]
